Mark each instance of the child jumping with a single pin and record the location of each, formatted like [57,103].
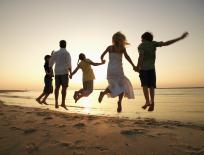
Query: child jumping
[48,88]
[88,76]
[146,65]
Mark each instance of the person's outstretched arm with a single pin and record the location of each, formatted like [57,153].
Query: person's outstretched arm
[96,63]
[128,58]
[184,35]
[104,53]
[72,73]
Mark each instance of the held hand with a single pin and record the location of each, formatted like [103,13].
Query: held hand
[136,69]
[103,61]
[184,35]
[70,76]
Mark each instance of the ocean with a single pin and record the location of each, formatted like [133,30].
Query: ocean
[186,105]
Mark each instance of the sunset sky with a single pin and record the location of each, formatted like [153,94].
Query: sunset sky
[30,29]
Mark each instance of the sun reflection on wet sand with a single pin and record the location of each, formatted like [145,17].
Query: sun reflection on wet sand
[86,102]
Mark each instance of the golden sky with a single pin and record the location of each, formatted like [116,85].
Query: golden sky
[30,29]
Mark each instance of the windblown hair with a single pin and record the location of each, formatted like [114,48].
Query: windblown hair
[119,39]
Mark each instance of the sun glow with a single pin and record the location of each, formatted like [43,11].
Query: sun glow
[86,102]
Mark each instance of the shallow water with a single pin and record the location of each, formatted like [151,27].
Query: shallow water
[170,104]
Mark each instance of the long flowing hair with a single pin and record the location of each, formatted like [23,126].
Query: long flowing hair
[119,40]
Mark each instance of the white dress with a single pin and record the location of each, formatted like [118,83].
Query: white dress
[117,81]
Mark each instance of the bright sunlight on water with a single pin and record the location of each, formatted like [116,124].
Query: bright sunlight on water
[171,104]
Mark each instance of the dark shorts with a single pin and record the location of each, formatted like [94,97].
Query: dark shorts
[61,80]
[88,85]
[48,89]
[148,78]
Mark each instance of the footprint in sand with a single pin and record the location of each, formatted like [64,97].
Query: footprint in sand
[91,118]
[189,149]
[46,134]
[132,132]
[65,144]
[97,123]
[101,148]
[78,153]
[77,142]
[29,130]
[29,121]
[31,147]
[78,150]
[15,128]
[43,113]
[29,112]
[79,125]
[48,118]
[61,126]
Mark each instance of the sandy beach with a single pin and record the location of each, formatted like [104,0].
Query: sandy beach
[27,130]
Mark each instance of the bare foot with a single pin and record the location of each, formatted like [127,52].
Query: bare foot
[151,107]
[56,105]
[64,106]
[76,99]
[145,106]
[119,109]
[100,98]
[38,100]
[45,103]
[75,95]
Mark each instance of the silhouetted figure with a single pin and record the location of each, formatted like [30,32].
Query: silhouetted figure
[88,76]
[119,84]
[146,65]
[62,61]
[48,88]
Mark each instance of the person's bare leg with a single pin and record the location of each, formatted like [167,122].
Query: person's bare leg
[44,99]
[76,93]
[146,95]
[56,96]
[83,93]
[80,95]
[119,109]
[102,93]
[151,108]
[39,98]
[64,92]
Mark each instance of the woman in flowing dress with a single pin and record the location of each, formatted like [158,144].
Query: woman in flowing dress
[119,84]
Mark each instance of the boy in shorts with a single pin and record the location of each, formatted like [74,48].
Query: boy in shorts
[146,65]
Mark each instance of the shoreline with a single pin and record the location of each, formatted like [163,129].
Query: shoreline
[12,91]
[41,131]
[186,118]
[25,90]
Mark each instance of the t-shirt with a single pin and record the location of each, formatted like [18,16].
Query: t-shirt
[148,49]
[87,70]
[62,61]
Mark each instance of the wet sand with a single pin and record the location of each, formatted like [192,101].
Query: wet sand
[42,131]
